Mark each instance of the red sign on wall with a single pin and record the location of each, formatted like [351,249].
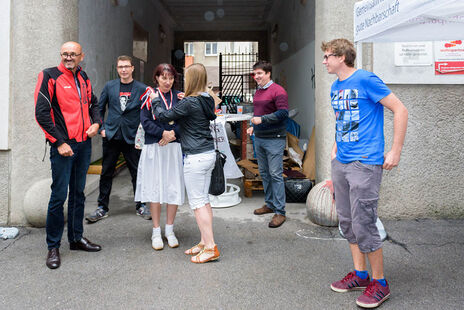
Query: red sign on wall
[449,67]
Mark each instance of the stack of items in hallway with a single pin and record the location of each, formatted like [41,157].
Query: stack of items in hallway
[299,169]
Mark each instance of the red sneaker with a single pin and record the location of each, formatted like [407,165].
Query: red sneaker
[351,282]
[373,295]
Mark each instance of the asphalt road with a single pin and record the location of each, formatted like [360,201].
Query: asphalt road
[290,267]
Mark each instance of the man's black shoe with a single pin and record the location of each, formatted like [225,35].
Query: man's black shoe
[53,258]
[84,245]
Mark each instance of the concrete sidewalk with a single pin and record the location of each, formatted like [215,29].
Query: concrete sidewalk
[290,267]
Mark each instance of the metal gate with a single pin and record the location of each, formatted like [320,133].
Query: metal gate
[236,84]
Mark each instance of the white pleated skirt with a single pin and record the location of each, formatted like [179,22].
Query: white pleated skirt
[160,176]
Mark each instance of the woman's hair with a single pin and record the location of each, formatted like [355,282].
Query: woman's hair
[161,69]
[341,47]
[195,79]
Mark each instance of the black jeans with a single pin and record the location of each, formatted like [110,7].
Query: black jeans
[111,151]
[67,172]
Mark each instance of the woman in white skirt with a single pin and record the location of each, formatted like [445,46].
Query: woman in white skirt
[193,114]
[160,171]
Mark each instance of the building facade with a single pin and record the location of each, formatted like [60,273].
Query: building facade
[207,53]
[289,34]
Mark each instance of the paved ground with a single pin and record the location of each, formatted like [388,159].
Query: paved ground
[260,268]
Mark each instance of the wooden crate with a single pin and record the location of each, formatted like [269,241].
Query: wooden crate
[249,165]
[251,180]
[251,185]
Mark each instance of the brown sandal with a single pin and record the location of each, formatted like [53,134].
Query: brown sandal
[211,255]
[195,249]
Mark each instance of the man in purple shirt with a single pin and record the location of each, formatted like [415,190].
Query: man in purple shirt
[270,130]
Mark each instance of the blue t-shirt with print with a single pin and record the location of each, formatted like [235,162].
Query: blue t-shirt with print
[359,117]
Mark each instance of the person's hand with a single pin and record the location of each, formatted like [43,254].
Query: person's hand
[256,120]
[333,154]
[391,160]
[93,130]
[180,96]
[162,142]
[250,131]
[103,133]
[65,150]
[169,135]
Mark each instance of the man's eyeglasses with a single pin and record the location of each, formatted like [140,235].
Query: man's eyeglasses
[72,55]
[124,67]
[326,57]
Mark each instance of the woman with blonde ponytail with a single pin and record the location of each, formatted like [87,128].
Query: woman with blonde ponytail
[193,114]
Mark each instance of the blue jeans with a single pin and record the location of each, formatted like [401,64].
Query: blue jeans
[270,153]
[67,172]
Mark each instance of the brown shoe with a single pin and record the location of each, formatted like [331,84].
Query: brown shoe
[53,258]
[263,210]
[277,220]
[84,245]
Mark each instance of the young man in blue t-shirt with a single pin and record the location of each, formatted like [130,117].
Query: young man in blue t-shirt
[358,98]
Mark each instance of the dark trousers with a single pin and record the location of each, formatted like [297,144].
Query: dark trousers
[111,151]
[67,172]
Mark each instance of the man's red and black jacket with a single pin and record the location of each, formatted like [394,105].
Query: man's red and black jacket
[60,111]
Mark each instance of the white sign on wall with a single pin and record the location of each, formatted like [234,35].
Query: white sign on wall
[414,53]
[385,66]
[406,20]
[449,50]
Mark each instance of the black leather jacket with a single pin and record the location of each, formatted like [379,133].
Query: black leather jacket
[193,115]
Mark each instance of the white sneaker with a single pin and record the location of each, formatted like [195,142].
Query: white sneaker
[172,240]
[157,242]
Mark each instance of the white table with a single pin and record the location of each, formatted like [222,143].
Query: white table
[243,118]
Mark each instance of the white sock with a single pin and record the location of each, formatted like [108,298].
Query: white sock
[168,229]
[156,231]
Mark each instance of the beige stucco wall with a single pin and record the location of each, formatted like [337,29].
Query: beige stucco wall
[427,182]
[333,20]
[4,186]
[36,41]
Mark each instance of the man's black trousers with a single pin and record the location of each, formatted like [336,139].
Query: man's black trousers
[111,151]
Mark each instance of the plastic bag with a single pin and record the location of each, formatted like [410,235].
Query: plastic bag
[139,138]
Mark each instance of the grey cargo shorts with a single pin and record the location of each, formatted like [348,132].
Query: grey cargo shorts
[356,187]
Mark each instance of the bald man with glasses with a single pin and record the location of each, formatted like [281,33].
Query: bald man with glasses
[66,109]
